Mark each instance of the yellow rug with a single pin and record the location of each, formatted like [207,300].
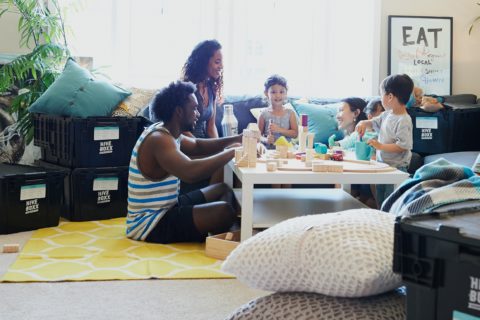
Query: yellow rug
[99,250]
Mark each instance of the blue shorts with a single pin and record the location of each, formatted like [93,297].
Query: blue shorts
[177,224]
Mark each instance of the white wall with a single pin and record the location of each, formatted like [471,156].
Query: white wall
[9,35]
[466,49]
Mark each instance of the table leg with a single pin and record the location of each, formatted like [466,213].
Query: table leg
[228,175]
[247,211]
[347,188]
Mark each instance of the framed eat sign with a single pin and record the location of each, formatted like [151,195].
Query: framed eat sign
[422,48]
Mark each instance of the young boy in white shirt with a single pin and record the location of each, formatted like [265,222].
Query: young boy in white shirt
[394,127]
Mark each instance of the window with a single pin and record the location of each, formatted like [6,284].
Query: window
[322,48]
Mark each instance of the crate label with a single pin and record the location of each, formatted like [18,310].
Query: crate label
[474,295]
[106,133]
[34,191]
[110,183]
[457,315]
[31,206]
[427,134]
[105,147]
[426,122]
[103,196]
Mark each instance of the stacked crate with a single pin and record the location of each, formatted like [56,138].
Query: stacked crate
[96,152]
[30,197]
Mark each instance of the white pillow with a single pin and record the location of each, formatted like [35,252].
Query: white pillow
[343,254]
[256,112]
[302,305]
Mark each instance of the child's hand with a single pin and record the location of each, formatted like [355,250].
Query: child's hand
[361,128]
[374,143]
[270,139]
[274,127]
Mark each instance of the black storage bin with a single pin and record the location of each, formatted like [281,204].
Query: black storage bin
[454,128]
[86,142]
[93,193]
[30,197]
[439,259]
[97,193]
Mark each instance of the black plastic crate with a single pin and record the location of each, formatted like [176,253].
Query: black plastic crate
[30,197]
[438,257]
[86,142]
[94,193]
[454,128]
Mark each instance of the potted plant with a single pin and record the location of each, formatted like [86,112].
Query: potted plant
[27,76]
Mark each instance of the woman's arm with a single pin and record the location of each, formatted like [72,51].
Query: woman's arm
[212,131]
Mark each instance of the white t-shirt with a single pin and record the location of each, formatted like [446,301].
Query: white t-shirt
[397,129]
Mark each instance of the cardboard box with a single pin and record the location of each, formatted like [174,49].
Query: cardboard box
[219,248]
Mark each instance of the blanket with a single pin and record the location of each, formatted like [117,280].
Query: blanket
[434,185]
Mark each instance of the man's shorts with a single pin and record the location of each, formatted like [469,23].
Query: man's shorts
[177,224]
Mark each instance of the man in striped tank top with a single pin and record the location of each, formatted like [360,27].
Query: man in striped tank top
[160,158]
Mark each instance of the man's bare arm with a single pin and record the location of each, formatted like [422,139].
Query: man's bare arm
[206,147]
[175,162]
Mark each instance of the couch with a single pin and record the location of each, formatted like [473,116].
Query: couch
[244,104]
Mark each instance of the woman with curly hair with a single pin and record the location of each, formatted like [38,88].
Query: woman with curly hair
[204,68]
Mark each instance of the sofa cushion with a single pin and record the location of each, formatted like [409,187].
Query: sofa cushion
[304,306]
[77,93]
[321,119]
[344,254]
[241,110]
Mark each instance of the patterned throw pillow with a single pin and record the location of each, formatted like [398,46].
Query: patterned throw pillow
[306,306]
[139,99]
[77,93]
[342,254]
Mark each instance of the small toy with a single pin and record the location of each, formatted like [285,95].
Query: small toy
[11,248]
[337,157]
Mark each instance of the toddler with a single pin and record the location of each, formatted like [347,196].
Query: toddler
[394,127]
[276,120]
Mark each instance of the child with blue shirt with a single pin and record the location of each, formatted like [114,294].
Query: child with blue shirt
[394,127]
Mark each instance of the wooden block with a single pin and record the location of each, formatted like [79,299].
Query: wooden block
[11,248]
[219,247]
[323,156]
[318,166]
[238,154]
[335,168]
[271,166]
[229,236]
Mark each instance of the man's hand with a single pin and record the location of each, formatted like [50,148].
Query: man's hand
[234,145]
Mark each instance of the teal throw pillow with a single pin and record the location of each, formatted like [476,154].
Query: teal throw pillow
[321,119]
[77,93]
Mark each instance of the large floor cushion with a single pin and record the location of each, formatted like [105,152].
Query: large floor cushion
[307,306]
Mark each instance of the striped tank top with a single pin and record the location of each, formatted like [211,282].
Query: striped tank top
[148,200]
